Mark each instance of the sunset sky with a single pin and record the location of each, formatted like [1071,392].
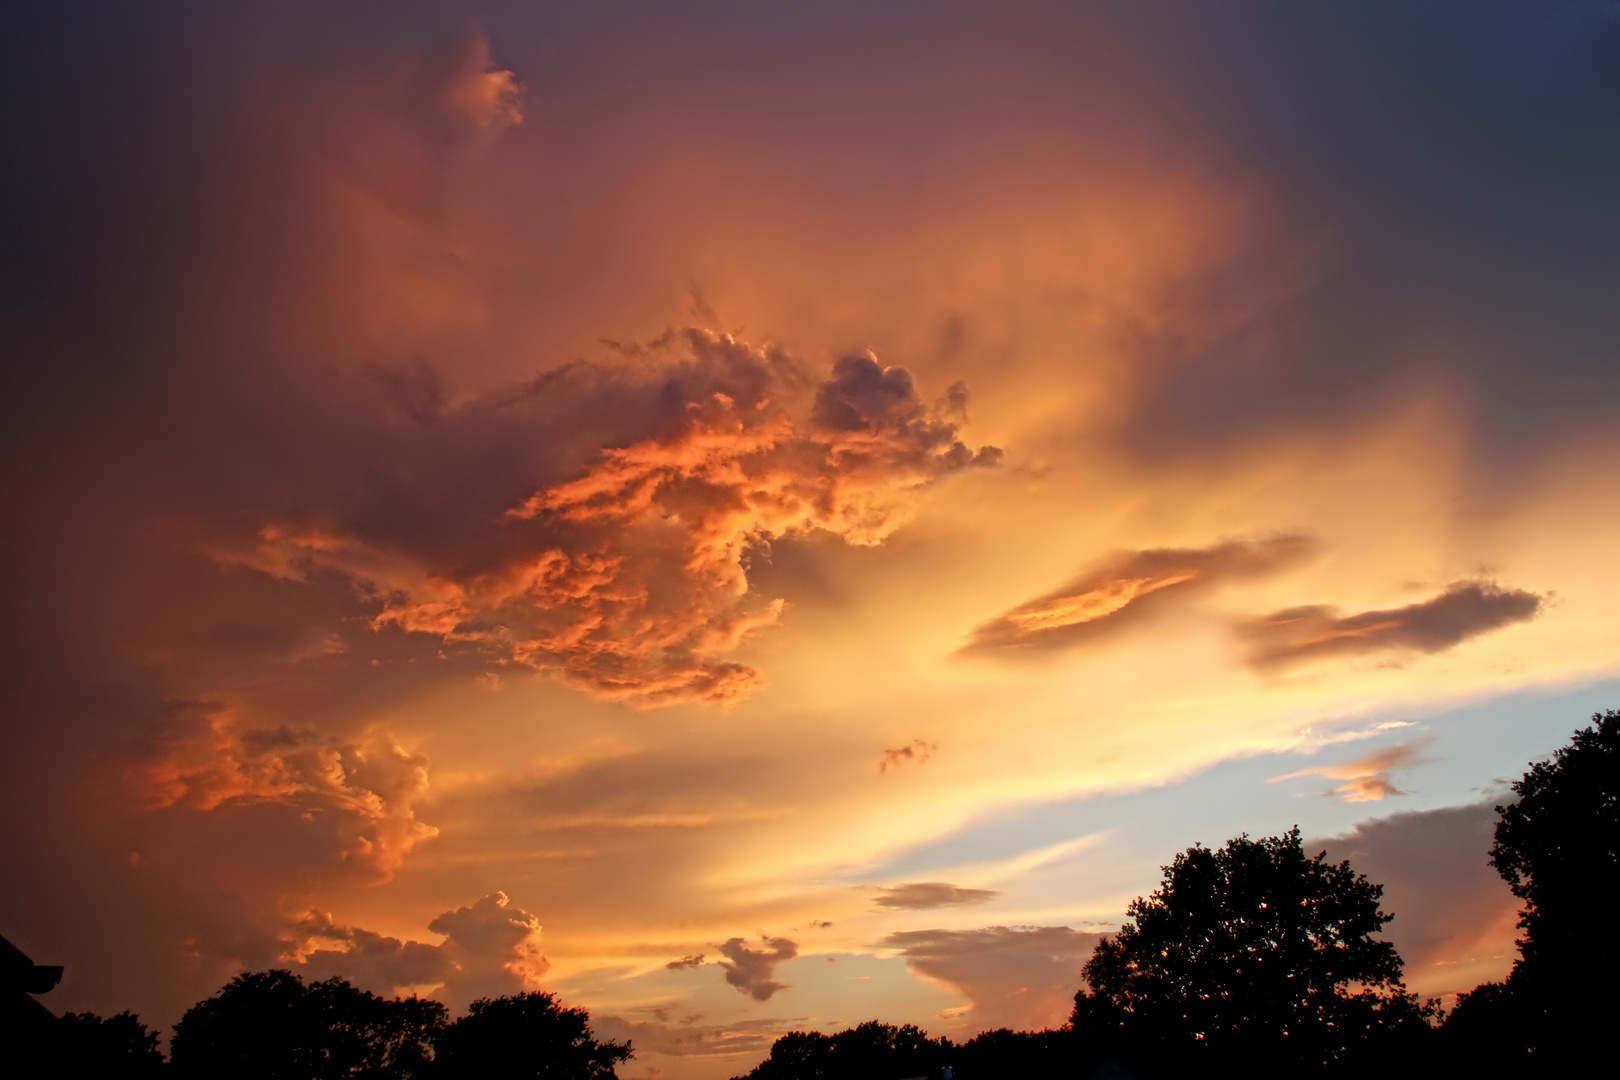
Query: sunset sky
[763,516]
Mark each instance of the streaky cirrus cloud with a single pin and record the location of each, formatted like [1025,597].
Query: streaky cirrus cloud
[930,894]
[1126,588]
[753,971]
[1012,976]
[490,948]
[1464,610]
[1366,779]
[630,578]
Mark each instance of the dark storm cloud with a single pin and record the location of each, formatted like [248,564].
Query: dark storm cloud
[1014,976]
[753,971]
[1464,610]
[930,894]
[1126,589]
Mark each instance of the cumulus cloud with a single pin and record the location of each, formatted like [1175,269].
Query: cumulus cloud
[1455,918]
[753,970]
[1366,779]
[490,949]
[630,577]
[1013,976]
[1465,609]
[366,791]
[1126,588]
[930,894]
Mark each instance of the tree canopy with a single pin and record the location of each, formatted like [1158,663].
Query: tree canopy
[1558,847]
[526,1037]
[1250,952]
[869,1051]
[269,1025]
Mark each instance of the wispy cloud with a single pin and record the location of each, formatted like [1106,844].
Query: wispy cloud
[1127,588]
[1465,609]
[1366,779]
[930,894]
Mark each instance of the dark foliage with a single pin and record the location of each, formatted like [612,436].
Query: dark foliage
[1558,847]
[113,1046]
[269,1025]
[1252,953]
[526,1037]
[870,1051]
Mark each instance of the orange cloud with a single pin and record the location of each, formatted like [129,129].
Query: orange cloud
[367,790]
[490,948]
[1465,609]
[1128,587]
[629,579]
[1366,779]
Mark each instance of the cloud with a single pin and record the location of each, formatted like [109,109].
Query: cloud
[930,894]
[1013,976]
[692,961]
[752,970]
[366,791]
[1465,609]
[630,578]
[1125,589]
[1366,778]
[916,751]
[490,949]
[1455,918]
[495,948]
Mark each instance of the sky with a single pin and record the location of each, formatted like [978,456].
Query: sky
[756,517]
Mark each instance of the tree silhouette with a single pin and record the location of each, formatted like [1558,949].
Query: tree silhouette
[526,1037]
[869,1051]
[115,1047]
[268,1025]
[1558,847]
[1251,954]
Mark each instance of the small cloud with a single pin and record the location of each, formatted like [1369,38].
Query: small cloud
[695,960]
[1366,779]
[931,894]
[1465,609]
[1124,589]
[820,924]
[916,751]
[752,970]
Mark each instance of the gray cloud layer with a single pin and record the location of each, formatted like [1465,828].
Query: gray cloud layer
[1464,610]
[930,894]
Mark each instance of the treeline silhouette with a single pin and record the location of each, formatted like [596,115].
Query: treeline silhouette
[1253,958]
